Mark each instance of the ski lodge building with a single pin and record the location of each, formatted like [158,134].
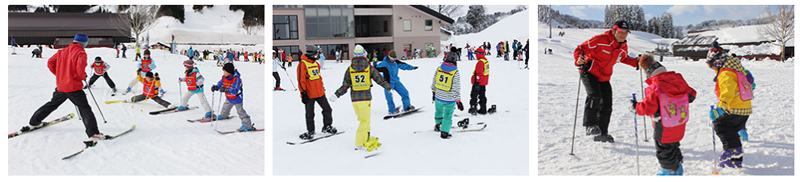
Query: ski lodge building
[378,28]
[59,29]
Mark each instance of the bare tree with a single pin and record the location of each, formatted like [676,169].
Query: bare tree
[136,19]
[780,26]
[447,10]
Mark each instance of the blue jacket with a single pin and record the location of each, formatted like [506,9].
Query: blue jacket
[190,52]
[392,68]
[236,89]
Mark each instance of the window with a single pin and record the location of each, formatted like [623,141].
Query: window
[284,27]
[377,27]
[385,26]
[326,21]
[292,51]
[406,25]
[428,25]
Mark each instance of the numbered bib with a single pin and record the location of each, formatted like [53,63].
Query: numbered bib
[312,69]
[444,79]
[485,67]
[360,79]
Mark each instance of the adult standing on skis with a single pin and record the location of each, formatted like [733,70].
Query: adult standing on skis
[68,65]
[312,90]
[390,66]
[358,78]
[597,57]
[479,80]
[734,91]
[666,101]
[276,63]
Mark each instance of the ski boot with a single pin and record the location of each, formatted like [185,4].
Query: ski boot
[208,115]
[743,135]
[372,144]
[732,163]
[219,117]
[472,110]
[604,138]
[593,130]
[92,141]
[482,111]
[437,127]
[396,111]
[307,136]
[182,108]
[463,123]
[410,107]
[446,135]
[113,90]
[246,128]
[329,130]
[492,109]
[32,127]
[666,172]
[279,89]
[728,154]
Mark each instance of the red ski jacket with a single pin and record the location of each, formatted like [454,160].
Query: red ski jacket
[601,53]
[68,65]
[673,85]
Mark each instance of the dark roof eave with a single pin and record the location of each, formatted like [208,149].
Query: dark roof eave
[434,13]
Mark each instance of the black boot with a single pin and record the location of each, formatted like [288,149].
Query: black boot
[329,129]
[437,127]
[593,130]
[604,138]
[307,136]
[472,110]
[446,135]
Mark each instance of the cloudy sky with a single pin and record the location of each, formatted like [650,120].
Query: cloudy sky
[682,15]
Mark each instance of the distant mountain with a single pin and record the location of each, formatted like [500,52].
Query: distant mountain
[462,27]
[564,20]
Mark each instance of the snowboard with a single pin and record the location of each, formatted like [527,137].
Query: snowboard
[314,139]
[401,114]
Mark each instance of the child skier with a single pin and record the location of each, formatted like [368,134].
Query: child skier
[100,67]
[479,80]
[446,87]
[734,92]
[194,85]
[312,90]
[152,83]
[147,65]
[276,63]
[231,85]
[390,67]
[357,78]
[666,101]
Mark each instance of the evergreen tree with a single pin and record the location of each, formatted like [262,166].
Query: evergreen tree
[475,16]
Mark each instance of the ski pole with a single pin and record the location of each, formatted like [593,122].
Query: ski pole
[577,101]
[644,121]
[290,79]
[220,110]
[134,96]
[212,104]
[180,91]
[79,113]
[636,130]
[95,103]
[714,146]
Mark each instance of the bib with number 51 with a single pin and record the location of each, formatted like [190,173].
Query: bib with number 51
[444,79]
[360,79]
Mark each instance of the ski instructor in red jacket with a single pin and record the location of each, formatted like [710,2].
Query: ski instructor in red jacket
[597,57]
[68,66]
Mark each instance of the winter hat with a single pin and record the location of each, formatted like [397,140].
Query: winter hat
[98,59]
[650,66]
[149,74]
[147,52]
[228,67]
[453,49]
[716,57]
[188,63]
[480,51]
[359,51]
[392,55]
[621,25]
[715,44]
[81,38]
[311,49]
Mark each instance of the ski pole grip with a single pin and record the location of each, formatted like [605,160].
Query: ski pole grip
[634,96]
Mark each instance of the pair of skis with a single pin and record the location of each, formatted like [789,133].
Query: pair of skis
[109,138]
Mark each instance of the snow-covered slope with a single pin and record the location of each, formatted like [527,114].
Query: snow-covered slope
[160,145]
[771,127]
[507,29]
[217,24]
[501,149]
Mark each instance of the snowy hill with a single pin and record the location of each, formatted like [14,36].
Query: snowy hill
[501,149]
[160,145]
[507,29]
[771,127]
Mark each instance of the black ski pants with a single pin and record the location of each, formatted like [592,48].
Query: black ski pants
[598,104]
[327,119]
[105,76]
[158,100]
[669,155]
[79,99]
[727,127]
[478,96]
[277,79]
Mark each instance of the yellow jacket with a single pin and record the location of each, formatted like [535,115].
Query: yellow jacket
[727,89]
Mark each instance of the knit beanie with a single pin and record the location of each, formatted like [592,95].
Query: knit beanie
[650,66]
[228,67]
[359,51]
[98,59]
[392,55]
[188,63]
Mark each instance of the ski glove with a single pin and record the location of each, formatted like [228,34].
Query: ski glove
[304,97]
[460,105]
[716,113]
[333,97]
[214,88]
[180,79]
[633,105]
[433,96]
[223,89]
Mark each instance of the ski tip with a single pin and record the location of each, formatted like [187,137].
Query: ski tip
[72,115]
[715,173]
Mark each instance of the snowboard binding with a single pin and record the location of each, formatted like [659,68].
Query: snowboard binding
[463,123]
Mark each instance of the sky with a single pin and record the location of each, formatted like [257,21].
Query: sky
[682,15]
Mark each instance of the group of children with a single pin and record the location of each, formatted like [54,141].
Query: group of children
[359,77]
[230,84]
[667,101]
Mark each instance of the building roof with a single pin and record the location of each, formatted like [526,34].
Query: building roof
[433,13]
[60,21]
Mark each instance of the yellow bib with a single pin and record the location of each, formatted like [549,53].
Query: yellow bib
[485,67]
[360,79]
[444,79]
[312,69]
